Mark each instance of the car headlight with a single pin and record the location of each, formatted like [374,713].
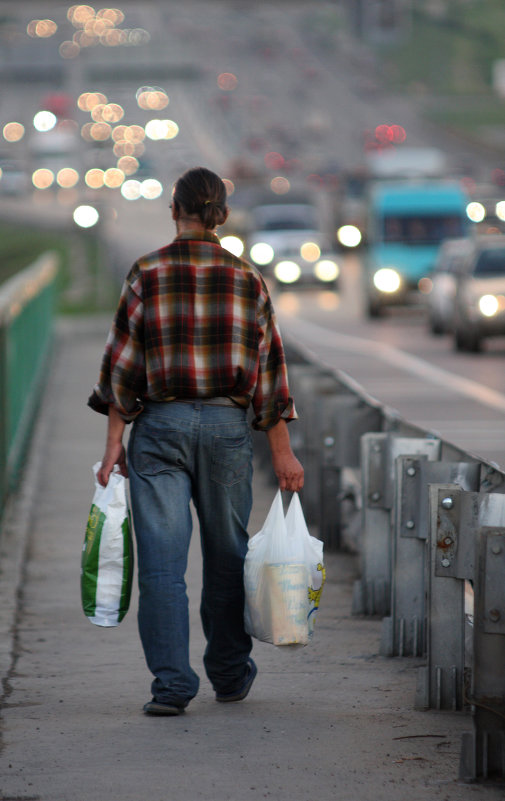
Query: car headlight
[349,236]
[387,280]
[326,270]
[310,251]
[234,244]
[287,272]
[261,253]
[489,305]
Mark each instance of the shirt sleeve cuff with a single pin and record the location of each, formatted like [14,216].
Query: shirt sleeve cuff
[268,421]
[101,405]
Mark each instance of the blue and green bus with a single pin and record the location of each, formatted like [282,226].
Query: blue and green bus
[407,221]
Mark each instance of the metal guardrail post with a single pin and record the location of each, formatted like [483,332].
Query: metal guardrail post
[440,682]
[483,749]
[372,592]
[346,419]
[456,517]
[404,632]
[311,387]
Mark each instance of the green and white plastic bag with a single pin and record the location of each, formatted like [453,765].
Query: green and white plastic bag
[107,553]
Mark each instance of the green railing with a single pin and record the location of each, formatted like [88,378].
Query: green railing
[27,303]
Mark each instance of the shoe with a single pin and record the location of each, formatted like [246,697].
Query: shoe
[155,707]
[240,694]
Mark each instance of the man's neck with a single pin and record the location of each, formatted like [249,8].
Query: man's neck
[185,224]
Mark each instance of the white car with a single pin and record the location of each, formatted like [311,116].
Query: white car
[479,304]
[287,242]
[444,278]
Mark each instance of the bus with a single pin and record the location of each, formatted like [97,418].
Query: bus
[406,223]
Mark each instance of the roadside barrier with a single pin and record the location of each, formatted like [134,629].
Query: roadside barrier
[26,322]
[427,520]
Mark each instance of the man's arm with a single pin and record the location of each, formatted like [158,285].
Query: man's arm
[114,450]
[286,466]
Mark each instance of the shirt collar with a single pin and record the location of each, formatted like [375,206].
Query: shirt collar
[204,236]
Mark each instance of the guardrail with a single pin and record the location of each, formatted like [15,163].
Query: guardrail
[26,320]
[428,522]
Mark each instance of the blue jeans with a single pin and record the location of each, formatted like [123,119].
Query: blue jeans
[178,452]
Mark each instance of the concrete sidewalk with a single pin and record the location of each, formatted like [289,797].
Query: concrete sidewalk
[330,721]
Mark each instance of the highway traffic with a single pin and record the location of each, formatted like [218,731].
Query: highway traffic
[257,94]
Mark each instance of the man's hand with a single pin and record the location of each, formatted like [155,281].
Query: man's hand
[289,472]
[114,454]
[286,466]
[114,450]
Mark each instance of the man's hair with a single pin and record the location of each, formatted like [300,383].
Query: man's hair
[200,191]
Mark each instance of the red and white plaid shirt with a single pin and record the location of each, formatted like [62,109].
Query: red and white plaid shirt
[194,321]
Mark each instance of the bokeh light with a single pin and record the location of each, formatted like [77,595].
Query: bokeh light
[88,100]
[41,28]
[280,185]
[227,81]
[69,49]
[94,178]
[13,131]
[131,190]
[151,98]
[261,253]
[107,112]
[349,236]
[233,243]
[476,212]
[128,165]
[310,251]
[113,178]
[274,161]
[161,129]
[67,177]
[151,189]
[86,216]
[100,131]
[500,210]
[44,121]
[43,178]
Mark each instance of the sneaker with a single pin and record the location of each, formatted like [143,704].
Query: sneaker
[241,693]
[155,707]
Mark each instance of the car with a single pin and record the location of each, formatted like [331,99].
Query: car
[14,179]
[287,243]
[440,298]
[407,222]
[479,303]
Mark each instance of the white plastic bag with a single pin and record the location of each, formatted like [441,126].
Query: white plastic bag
[283,577]
[107,553]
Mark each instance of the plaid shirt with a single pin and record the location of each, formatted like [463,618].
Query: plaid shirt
[194,321]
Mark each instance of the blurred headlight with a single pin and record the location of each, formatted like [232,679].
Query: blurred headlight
[86,216]
[500,209]
[475,211]
[287,272]
[326,270]
[387,280]
[488,305]
[234,244]
[349,236]
[310,251]
[261,253]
